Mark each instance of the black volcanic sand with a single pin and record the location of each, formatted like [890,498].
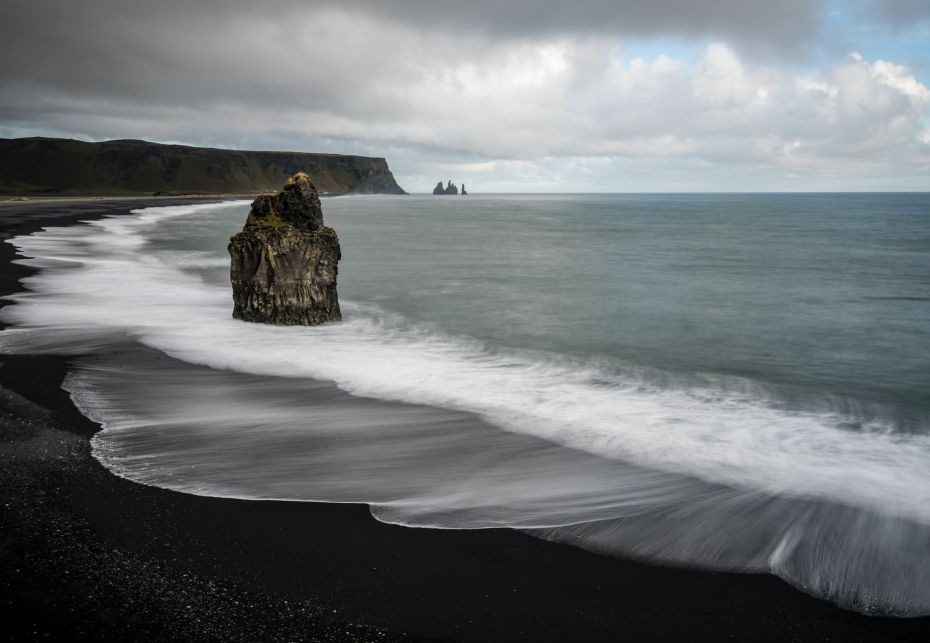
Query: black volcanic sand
[85,555]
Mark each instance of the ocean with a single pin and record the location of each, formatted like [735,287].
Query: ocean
[731,382]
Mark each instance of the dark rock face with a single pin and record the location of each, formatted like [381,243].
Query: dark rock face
[449,189]
[373,177]
[297,205]
[60,166]
[284,262]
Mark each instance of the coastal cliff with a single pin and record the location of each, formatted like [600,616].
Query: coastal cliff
[284,262]
[133,168]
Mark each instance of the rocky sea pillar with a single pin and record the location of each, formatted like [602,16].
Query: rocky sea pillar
[285,260]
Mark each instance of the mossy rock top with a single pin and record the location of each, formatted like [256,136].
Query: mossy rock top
[297,205]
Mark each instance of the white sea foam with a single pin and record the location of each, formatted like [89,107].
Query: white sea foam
[715,435]
[708,475]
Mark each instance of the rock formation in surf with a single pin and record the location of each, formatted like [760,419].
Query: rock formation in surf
[449,189]
[284,262]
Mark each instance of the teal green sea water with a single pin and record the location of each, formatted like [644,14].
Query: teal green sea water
[725,381]
[824,296]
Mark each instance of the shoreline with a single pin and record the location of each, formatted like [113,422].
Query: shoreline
[147,200]
[201,568]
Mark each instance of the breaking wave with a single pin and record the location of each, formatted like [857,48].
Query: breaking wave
[447,431]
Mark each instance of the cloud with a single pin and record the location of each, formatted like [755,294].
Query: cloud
[759,21]
[900,12]
[472,88]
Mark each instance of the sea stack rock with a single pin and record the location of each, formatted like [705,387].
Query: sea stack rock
[284,262]
[449,189]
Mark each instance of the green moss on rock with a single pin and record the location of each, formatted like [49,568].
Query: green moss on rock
[285,260]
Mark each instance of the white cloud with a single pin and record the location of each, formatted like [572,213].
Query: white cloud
[481,105]
[900,77]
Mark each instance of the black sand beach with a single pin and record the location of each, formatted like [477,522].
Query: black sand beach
[85,555]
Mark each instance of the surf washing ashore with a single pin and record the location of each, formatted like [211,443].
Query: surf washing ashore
[555,385]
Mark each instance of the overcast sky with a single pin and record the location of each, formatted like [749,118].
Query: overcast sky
[505,95]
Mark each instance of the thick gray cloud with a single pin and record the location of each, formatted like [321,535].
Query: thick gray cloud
[760,21]
[901,12]
[484,88]
[241,50]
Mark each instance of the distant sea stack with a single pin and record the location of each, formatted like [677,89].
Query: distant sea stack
[449,189]
[138,168]
[284,262]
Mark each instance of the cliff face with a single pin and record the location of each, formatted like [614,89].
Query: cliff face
[63,166]
[284,262]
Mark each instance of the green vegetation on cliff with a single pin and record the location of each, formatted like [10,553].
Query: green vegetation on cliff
[69,167]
